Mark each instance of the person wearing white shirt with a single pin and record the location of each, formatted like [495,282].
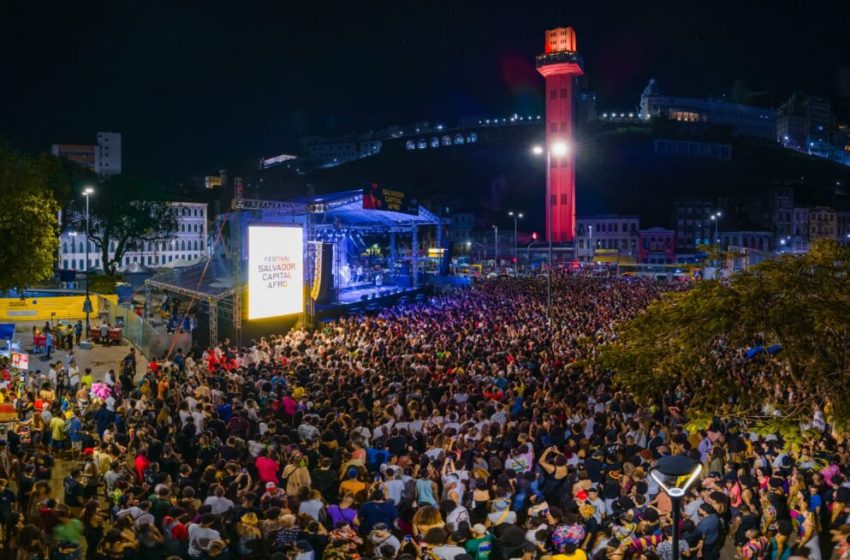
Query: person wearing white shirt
[217,502]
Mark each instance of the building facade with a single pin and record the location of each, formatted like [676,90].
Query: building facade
[103,158]
[693,224]
[462,226]
[743,120]
[657,246]
[823,224]
[756,240]
[188,245]
[805,123]
[607,231]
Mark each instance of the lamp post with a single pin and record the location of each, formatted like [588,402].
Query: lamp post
[528,250]
[87,307]
[716,219]
[516,216]
[668,472]
[592,248]
[496,249]
[558,149]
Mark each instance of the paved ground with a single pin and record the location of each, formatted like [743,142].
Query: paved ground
[99,358]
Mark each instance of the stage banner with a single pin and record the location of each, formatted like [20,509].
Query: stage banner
[275,271]
[376,197]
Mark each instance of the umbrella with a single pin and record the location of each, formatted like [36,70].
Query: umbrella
[751,353]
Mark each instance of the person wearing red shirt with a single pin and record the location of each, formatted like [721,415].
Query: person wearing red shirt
[142,463]
[267,467]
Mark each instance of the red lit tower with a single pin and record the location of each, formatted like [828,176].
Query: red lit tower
[560,64]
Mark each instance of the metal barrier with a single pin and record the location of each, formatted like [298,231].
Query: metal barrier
[151,340]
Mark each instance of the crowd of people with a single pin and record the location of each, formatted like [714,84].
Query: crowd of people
[474,426]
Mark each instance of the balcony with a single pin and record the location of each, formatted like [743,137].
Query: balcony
[558,58]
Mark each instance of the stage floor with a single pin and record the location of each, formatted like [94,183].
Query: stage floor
[355,295]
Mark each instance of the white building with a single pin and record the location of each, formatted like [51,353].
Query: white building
[104,158]
[107,153]
[607,231]
[188,245]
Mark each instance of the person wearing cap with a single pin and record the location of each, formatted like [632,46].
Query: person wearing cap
[500,512]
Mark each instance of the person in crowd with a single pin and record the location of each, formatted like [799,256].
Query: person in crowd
[465,427]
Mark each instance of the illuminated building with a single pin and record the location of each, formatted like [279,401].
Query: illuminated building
[560,64]
[743,120]
[805,123]
[606,231]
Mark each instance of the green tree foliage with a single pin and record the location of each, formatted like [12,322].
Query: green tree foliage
[125,212]
[28,219]
[695,341]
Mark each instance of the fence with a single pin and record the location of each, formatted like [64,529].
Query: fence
[149,339]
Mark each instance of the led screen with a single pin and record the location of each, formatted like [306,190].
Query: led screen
[275,271]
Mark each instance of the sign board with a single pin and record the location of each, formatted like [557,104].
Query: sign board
[20,361]
[376,197]
[275,271]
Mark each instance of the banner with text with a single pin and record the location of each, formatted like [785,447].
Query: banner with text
[376,197]
[275,271]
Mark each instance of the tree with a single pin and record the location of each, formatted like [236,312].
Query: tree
[124,213]
[28,220]
[696,343]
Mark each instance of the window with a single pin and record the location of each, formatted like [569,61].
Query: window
[81,264]
[553,93]
[183,245]
[564,199]
[554,200]
[81,248]
[65,247]
[196,244]
[65,263]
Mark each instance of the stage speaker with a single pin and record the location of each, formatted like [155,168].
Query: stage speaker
[323,282]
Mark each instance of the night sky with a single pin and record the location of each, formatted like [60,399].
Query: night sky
[195,85]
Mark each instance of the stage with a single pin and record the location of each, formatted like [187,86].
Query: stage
[368,297]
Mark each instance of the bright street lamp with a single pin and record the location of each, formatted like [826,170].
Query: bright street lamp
[87,307]
[675,474]
[558,149]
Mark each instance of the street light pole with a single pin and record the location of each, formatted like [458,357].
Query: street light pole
[516,216]
[549,234]
[560,149]
[676,468]
[87,306]
[496,249]
[592,248]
